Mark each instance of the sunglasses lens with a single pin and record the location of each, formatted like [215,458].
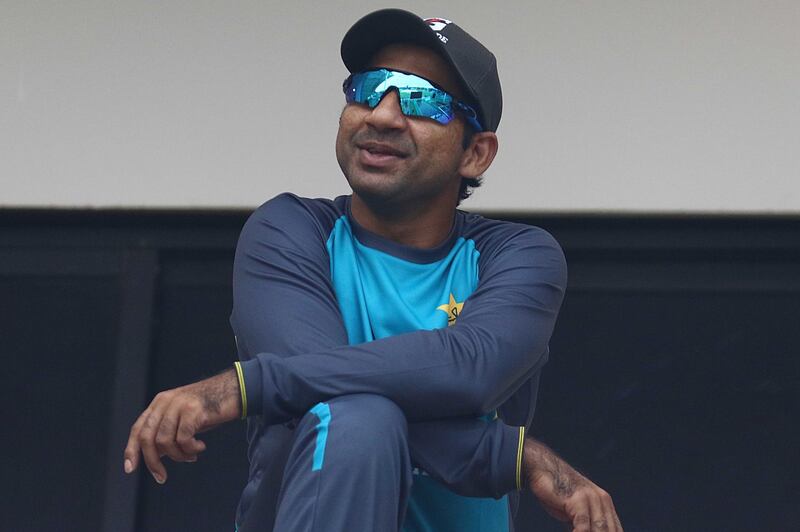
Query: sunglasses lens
[418,97]
[363,87]
[429,103]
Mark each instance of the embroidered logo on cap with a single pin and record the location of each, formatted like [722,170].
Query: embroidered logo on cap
[437,25]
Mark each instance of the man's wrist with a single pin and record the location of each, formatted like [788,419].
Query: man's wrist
[540,463]
[530,455]
[537,459]
[220,397]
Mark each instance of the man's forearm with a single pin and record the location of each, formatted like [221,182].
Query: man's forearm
[222,397]
[566,494]
[540,461]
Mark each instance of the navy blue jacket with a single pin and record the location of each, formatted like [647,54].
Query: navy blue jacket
[456,335]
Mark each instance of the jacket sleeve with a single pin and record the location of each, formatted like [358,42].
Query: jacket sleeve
[286,305]
[499,341]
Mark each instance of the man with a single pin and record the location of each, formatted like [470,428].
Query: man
[390,344]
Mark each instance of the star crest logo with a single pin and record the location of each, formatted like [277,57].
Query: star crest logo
[452,309]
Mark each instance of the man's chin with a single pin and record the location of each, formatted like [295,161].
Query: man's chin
[377,188]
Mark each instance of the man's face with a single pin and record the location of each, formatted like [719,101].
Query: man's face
[395,160]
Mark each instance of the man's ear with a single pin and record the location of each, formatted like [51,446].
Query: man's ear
[478,155]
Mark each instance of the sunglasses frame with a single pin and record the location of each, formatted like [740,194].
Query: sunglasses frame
[455,104]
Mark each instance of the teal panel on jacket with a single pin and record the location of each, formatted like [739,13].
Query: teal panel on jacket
[383,295]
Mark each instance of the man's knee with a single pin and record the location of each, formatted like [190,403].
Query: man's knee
[360,424]
[349,462]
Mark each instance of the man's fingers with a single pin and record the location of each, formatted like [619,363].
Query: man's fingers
[169,424]
[591,509]
[581,521]
[167,427]
[147,443]
[611,513]
[188,444]
[599,519]
[131,454]
[579,512]
[166,437]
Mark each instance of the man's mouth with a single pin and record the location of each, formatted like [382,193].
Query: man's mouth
[379,154]
[378,148]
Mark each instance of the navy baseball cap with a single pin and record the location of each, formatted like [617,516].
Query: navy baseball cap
[473,63]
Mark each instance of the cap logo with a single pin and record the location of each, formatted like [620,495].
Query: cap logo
[437,25]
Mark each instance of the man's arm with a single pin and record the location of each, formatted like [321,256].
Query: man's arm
[170,424]
[499,341]
[284,303]
[273,312]
[566,494]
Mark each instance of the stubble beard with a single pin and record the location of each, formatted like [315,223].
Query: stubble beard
[382,190]
[397,193]
[398,196]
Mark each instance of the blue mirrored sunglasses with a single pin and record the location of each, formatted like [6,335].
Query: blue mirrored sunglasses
[418,96]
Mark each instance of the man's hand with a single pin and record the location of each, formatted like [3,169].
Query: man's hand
[169,425]
[566,494]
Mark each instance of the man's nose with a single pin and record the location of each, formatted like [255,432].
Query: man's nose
[387,114]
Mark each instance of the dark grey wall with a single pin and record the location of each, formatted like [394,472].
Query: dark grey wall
[674,380]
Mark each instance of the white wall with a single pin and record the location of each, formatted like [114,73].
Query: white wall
[656,106]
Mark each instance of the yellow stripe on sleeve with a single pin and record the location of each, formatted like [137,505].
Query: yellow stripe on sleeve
[240,375]
[519,457]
